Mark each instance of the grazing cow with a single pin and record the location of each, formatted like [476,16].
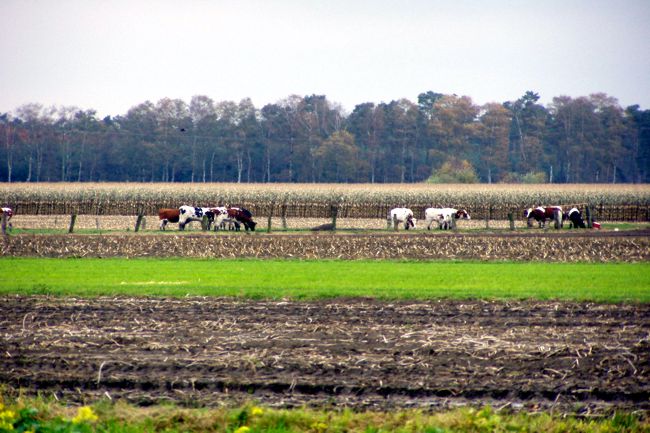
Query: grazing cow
[575,218]
[8,212]
[444,216]
[541,214]
[190,213]
[243,216]
[168,216]
[401,215]
[220,217]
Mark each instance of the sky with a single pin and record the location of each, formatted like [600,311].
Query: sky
[110,55]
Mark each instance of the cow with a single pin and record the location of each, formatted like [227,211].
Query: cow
[243,216]
[6,211]
[444,216]
[541,214]
[220,215]
[168,216]
[190,213]
[401,215]
[575,218]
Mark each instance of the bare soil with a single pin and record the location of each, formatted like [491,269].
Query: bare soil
[569,357]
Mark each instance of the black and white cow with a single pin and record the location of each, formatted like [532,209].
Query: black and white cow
[191,213]
[575,218]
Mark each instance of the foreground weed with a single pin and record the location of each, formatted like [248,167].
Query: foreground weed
[36,416]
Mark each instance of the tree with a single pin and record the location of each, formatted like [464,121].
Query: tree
[526,132]
[454,171]
[493,134]
[337,158]
[454,127]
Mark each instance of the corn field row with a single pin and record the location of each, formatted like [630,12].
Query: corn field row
[493,202]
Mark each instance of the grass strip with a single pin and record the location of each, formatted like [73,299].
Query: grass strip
[37,414]
[314,279]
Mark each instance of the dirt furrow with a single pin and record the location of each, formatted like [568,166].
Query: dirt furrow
[361,353]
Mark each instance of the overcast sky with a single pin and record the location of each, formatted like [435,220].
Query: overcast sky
[111,55]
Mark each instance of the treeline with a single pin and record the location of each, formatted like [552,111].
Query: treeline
[441,138]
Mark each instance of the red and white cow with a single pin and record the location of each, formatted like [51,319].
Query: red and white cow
[542,213]
[401,215]
[243,216]
[168,216]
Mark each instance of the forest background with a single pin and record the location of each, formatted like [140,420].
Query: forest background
[440,138]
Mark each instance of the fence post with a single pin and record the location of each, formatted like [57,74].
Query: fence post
[590,222]
[138,222]
[511,218]
[270,217]
[4,224]
[395,225]
[284,216]
[335,211]
[73,219]
[205,223]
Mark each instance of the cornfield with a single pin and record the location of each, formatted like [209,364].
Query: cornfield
[621,202]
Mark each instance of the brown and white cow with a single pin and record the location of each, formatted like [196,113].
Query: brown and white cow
[541,214]
[243,216]
[168,216]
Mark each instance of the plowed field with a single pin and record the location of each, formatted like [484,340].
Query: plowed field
[570,357]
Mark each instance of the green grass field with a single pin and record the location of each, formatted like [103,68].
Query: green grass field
[300,279]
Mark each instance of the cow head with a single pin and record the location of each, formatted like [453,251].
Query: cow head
[462,214]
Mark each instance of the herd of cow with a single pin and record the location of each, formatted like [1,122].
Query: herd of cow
[234,217]
[446,217]
[218,217]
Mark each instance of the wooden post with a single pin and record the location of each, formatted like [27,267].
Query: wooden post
[487,218]
[205,223]
[73,219]
[395,225]
[138,223]
[453,222]
[284,216]
[4,224]
[269,221]
[590,221]
[511,218]
[335,211]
